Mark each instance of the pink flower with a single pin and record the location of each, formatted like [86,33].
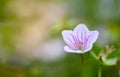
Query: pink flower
[80,40]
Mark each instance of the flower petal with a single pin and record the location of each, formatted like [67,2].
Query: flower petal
[68,38]
[68,49]
[93,35]
[88,47]
[81,30]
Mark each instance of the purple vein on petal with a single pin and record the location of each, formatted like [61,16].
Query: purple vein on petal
[71,44]
[75,39]
[86,39]
[81,36]
[79,41]
[78,44]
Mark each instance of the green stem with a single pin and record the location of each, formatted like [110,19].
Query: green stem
[82,58]
[100,72]
[82,65]
[95,57]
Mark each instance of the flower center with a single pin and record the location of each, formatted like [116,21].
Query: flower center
[80,46]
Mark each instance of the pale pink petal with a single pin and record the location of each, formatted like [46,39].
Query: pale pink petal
[91,38]
[88,47]
[81,27]
[93,35]
[81,30]
[68,37]
[68,49]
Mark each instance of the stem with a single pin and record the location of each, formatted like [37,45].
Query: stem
[82,58]
[82,65]
[94,55]
[100,72]
[97,59]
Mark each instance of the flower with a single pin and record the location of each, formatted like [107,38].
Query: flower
[80,40]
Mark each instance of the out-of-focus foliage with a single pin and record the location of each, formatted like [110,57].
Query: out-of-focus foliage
[103,15]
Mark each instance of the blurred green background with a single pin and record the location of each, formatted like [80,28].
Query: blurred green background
[30,37]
